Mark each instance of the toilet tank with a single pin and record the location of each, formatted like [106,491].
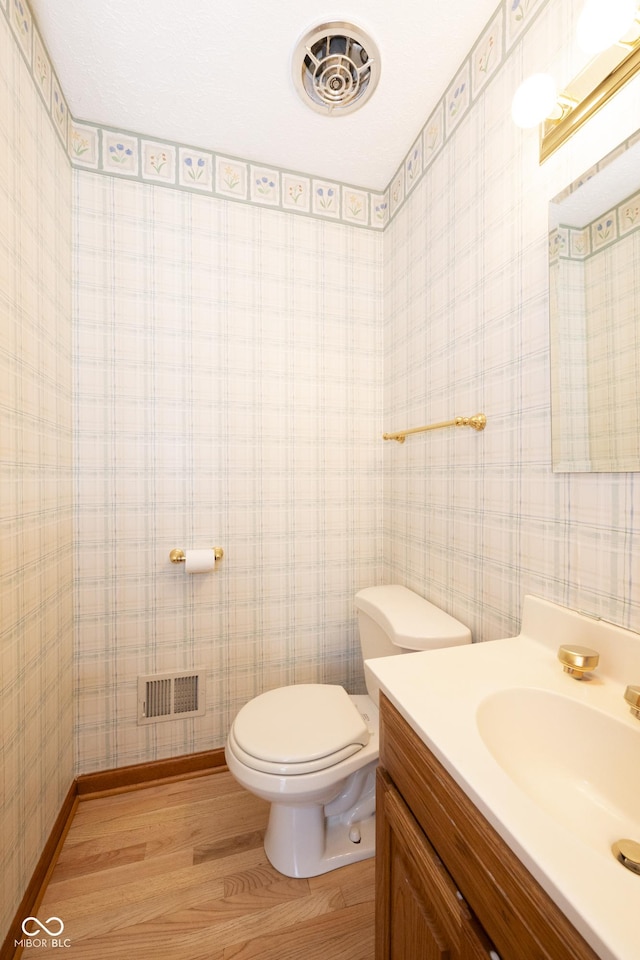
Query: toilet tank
[393,619]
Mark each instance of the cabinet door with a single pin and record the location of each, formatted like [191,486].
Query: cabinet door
[475,943]
[418,915]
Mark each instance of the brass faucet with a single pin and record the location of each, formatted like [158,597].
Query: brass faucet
[632,696]
[577,661]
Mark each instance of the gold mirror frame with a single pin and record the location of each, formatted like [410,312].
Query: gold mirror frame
[591,89]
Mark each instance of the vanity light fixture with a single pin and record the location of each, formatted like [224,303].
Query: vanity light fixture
[603,22]
[610,31]
[535,99]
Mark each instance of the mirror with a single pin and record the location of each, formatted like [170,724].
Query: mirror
[594,300]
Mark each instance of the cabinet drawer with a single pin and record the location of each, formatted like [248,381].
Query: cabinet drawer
[514,910]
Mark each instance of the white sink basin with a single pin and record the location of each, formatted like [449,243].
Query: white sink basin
[553,763]
[580,765]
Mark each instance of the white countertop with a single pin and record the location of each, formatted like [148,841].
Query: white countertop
[439,692]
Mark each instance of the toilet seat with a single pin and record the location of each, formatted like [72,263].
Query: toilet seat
[292,769]
[298,729]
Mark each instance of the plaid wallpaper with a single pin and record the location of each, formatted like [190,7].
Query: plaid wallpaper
[233,375]
[228,370]
[596,341]
[569,371]
[36,646]
[476,521]
[612,287]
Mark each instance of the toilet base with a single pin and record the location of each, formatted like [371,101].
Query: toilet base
[302,842]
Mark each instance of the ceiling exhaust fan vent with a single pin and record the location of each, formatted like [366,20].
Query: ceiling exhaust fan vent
[336,68]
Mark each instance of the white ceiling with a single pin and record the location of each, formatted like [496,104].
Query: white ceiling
[217,75]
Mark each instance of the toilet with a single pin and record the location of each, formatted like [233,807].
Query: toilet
[311,749]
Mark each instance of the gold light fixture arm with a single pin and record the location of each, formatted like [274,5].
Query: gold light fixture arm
[607,73]
[477,422]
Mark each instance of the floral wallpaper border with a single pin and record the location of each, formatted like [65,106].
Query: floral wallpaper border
[125,154]
[38,61]
[570,243]
[121,153]
[567,243]
[504,29]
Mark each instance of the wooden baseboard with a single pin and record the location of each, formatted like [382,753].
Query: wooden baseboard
[105,782]
[41,874]
[88,786]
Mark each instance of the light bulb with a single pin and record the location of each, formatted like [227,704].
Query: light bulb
[603,22]
[534,100]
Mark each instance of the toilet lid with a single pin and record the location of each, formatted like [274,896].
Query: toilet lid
[300,723]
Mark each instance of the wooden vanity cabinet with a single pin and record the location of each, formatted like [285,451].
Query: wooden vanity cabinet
[447,885]
[421,914]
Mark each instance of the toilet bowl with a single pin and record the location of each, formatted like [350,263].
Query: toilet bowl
[311,750]
[319,780]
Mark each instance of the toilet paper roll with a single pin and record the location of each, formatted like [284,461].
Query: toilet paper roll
[199,561]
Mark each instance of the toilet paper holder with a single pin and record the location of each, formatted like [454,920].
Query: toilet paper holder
[179,556]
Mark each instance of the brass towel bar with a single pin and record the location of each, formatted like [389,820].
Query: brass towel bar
[478,422]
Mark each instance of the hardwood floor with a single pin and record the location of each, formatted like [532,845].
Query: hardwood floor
[178,872]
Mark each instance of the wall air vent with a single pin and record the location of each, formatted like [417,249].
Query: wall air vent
[336,68]
[170,696]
